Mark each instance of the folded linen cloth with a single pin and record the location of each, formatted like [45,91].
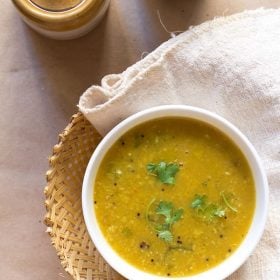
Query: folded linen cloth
[230,66]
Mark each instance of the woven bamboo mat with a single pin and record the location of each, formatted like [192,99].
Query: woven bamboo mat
[64,217]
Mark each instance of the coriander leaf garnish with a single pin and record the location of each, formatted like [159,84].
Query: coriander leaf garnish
[208,211]
[212,210]
[167,215]
[177,214]
[198,201]
[219,212]
[227,203]
[166,235]
[148,209]
[164,208]
[164,171]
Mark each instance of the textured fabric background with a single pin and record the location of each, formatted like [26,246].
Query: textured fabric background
[230,66]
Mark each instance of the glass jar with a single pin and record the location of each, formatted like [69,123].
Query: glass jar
[62,19]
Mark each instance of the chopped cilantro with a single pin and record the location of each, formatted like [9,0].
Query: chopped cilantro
[164,171]
[166,235]
[208,211]
[147,214]
[168,215]
[212,210]
[226,201]
[164,208]
[167,210]
[198,201]
[177,214]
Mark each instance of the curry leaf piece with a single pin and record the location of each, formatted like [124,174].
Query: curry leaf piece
[164,171]
[199,201]
[166,235]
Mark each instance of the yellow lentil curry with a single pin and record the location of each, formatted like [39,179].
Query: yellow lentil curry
[178,193]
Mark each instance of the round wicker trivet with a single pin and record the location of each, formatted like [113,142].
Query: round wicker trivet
[64,217]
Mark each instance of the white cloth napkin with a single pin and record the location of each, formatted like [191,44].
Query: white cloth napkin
[230,66]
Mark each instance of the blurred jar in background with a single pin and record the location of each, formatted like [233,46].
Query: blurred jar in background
[62,19]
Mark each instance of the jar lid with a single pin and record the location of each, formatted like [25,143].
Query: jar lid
[60,15]
[56,6]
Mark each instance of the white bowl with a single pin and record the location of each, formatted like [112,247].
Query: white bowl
[230,264]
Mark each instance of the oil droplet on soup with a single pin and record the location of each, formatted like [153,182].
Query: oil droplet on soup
[178,193]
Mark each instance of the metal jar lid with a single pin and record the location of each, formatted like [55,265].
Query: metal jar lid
[52,17]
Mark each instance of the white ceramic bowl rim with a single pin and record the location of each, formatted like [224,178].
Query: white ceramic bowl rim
[258,223]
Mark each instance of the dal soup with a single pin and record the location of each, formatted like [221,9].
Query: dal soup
[174,197]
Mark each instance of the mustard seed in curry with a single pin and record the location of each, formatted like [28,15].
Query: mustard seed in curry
[178,193]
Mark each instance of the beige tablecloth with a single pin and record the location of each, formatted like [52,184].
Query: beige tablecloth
[230,66]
